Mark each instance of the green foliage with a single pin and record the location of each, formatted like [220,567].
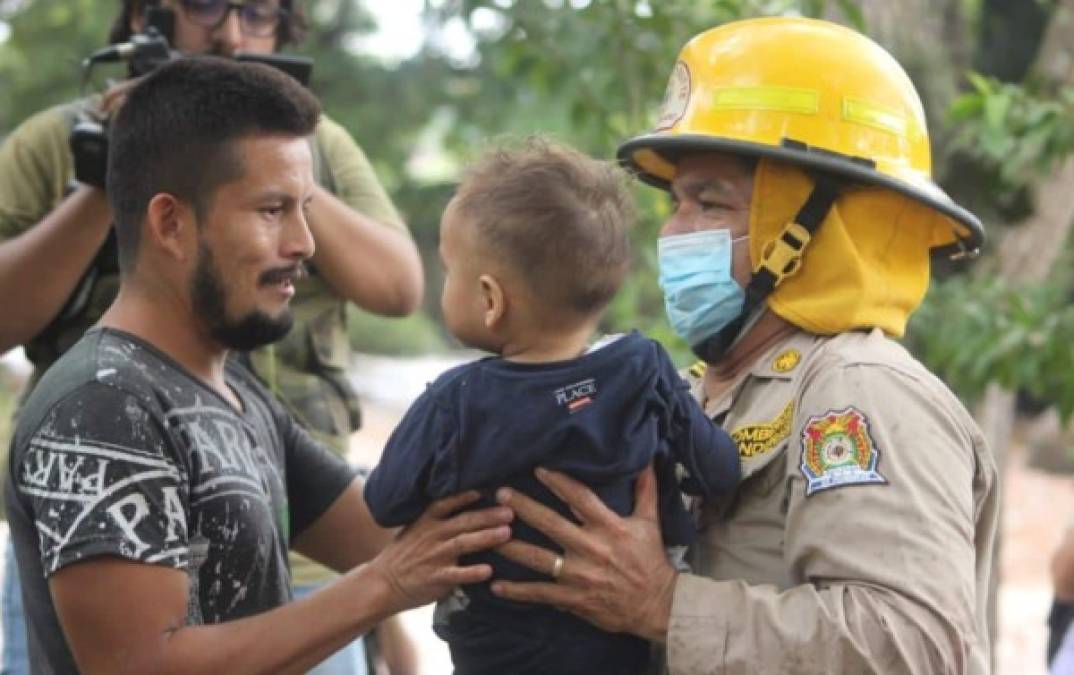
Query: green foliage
[415,334]
[384,107]
[1017,132]
[1009,136]
[39,62]
[974,331]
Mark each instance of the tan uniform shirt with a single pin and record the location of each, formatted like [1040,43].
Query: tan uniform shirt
[860,538]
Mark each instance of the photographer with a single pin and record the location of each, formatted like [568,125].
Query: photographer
[58,270]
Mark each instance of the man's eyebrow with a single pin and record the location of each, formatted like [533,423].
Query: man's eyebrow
[695,186]
[275,195]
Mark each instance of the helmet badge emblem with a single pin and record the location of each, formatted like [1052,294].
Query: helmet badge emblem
[676,97]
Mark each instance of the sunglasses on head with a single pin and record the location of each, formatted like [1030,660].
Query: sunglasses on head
[256,19]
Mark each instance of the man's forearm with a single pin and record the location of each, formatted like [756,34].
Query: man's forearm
[375,266]
[122,616]
[40,267]
[289,639]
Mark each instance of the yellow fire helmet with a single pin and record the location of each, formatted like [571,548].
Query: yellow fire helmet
[833,107]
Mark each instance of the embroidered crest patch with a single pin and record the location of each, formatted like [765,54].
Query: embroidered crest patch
[787,361]
[757,439]
[837,450]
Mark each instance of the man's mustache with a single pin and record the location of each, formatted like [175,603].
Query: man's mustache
[292,273]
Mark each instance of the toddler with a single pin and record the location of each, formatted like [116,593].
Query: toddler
[534,245]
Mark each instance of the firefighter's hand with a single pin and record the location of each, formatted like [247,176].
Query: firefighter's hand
[614,572]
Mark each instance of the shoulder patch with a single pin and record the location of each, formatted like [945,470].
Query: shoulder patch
[757,439]
[838,450]
[787,361]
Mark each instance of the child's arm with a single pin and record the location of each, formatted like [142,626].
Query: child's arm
[400,487]
[703,448]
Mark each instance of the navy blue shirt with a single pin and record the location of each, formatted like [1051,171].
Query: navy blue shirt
[600,418]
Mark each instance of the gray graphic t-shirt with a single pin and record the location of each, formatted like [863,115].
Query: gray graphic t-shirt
[119,451]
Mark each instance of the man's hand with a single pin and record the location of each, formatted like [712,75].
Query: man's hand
[420,565]
[615,572]
[121,616]
[89,139]
[116,95]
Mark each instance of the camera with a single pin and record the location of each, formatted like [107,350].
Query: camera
[144,53]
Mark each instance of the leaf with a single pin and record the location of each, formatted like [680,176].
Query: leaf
[965,107]
[982,84]
[996,107]
[853,13]
[996,143]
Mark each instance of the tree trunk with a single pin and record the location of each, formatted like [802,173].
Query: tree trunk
[1029,252]
[1054,66]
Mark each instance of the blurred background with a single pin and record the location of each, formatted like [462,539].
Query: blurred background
[423,86]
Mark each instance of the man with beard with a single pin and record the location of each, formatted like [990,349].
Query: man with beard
[155,485]
[58,268]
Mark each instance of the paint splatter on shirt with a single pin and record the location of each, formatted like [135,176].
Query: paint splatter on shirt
[121,452]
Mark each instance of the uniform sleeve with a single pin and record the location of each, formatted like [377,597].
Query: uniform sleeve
[879,538]
[355,181]
[99,477]
[420,463]
[35,165]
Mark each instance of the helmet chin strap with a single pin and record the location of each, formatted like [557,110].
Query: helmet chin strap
[781,258]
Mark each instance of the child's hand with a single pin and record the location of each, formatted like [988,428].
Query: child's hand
[421,564]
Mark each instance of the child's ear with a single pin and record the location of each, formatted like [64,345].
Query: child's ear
[495,300]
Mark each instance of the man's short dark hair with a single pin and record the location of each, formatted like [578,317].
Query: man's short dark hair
[291,31]
[558,218]
[175,134]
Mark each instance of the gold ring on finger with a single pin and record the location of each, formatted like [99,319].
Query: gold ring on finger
[557,567]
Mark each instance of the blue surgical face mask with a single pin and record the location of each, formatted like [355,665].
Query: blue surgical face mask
[700,295]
